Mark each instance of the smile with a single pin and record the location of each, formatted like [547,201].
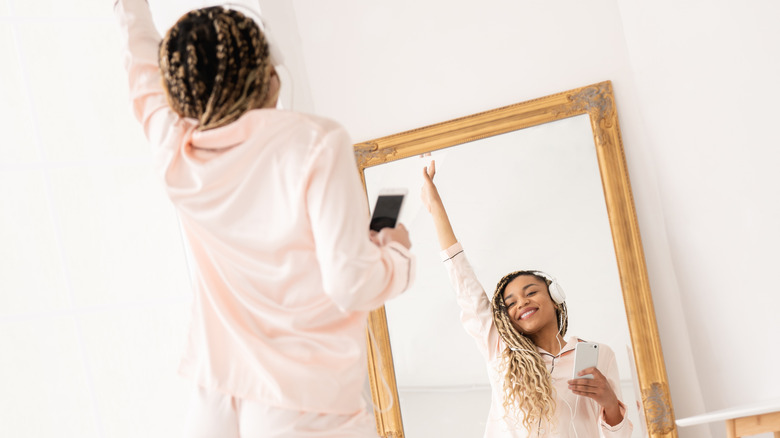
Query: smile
[528,313]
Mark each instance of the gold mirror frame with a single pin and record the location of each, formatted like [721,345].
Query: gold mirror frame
[599,103]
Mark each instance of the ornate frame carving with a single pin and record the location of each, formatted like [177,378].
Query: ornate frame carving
[599,103]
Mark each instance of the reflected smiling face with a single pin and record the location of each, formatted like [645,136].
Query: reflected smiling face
[529,305]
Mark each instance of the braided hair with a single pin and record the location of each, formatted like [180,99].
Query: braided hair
[215,66]
[528,390]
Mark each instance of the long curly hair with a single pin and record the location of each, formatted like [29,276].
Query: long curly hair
[528,390]
[215,66]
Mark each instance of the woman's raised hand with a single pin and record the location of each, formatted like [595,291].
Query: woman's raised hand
[432,201]
[429,194]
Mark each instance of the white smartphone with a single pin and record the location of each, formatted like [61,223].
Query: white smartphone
[387,208]
[586,355]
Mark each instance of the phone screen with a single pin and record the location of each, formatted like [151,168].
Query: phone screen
[386,211]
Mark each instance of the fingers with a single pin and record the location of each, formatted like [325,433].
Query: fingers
[430,170]
[584,383]
[374,237]
[587,384]
[592,370]
[597,388]
[426,175]
[586,387]
[398,234]
[598,378]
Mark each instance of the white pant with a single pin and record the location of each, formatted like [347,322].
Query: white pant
[213,414]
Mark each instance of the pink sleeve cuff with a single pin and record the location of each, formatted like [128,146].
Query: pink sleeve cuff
[411,262]
[617,427]
[451,252]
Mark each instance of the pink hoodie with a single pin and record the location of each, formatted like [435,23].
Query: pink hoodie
[576,416]
[276,222]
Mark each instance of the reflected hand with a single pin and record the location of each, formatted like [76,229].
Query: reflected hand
[598,389]
[429,194]
[386,235]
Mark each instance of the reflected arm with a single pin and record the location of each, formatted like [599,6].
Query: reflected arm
[476,310]
[432,200]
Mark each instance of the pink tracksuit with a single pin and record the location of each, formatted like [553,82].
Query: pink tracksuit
[576,416]
[276,222]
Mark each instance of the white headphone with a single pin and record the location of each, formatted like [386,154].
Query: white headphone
[275,55]
[556,292]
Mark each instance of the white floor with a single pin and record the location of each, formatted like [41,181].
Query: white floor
[461,412]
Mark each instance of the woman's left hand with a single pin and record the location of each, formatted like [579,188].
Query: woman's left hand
[600,391]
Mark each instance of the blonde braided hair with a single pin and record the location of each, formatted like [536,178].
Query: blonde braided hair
[528,390]
[215,66]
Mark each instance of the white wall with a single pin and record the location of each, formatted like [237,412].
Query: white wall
[93,283]
[706,79]
[94,290]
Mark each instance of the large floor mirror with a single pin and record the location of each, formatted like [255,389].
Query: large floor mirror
[536,185]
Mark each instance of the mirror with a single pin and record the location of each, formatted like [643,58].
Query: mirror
[525,188]
[526,199]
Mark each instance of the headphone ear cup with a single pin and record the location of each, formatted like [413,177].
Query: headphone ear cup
[556,292]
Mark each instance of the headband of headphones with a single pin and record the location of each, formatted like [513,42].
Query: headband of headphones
[254,13]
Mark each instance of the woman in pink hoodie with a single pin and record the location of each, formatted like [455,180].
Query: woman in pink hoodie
[520,329]
[276,222]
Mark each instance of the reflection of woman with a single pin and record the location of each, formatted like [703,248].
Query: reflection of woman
[276,222]
[520,333]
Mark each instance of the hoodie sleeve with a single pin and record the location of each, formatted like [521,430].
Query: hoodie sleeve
[476,310]
[356,273]
[140,42]
[625,427]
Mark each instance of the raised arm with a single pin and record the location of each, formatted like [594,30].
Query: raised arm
[432,201]
[476,311]
[140,42]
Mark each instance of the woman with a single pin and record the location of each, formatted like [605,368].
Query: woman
[520,332]
[276,223]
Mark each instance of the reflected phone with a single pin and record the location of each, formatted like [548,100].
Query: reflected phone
[586,355]
[387,208]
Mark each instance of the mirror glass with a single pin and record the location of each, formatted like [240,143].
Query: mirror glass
[527,199]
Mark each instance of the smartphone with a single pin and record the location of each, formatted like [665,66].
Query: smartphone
[387,208]
[586,355]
